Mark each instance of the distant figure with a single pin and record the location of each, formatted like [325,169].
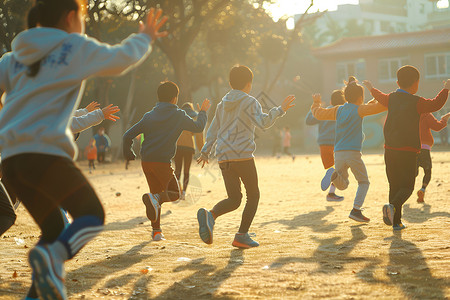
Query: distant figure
[102,142]
[276,136]
[287,142]
[91,154]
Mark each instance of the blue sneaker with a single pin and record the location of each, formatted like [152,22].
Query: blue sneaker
[326,180]
[48,273]
[398,227]
[388,214]
[205,225]
[243,240]
[152,206]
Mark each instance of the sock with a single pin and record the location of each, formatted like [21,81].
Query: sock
[332,189]
[75,236]
[423,188]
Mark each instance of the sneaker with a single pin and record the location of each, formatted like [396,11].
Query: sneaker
[48,272]
[388,214]
[205,225]
[356,214]
[398,227]
[334,197]
[243,240]
[152,206]
[183,195]
[326,180]
[65,216]
[157,235]
[420,196]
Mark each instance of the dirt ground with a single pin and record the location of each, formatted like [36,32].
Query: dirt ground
[309,247]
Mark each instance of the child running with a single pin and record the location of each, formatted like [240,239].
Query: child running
[326,143]
[232,130]
[186,150]
[427,123]
[402,137]
[43,80]
[349,140]
[162,126]
[91,154]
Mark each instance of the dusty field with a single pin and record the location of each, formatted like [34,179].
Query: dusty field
[309,247]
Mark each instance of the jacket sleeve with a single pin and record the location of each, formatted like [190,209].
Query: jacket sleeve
[432,105]
[436,125]
[310,120]
[128,137]
[106,60]
[211,134]
[324,114]
[380,96]
[4,62]
[80,112]
[192,125]
[86,121]
[371,108]
[261,119]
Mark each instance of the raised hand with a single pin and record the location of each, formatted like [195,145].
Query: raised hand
[447,84]
[446,117]
[109,111]
[205,105]
[92,106]
[154,24]
[317,99]
[368,84]
[287,103]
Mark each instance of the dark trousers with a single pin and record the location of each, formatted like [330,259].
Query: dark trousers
[183,159]
[92,164]
[7,213]
[233,173]
[101,156]
[401,169]
[424,161]
[44,183]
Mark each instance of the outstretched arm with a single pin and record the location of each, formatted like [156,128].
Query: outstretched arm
[378,95]
[310,120]
[128,138]
[373,107]
[263,120]
[198,125]
[320,113]
[432,105]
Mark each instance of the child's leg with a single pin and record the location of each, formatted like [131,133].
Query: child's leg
[426,164]
[187,167]
[426,178]
[358,169]
[7,213]
[233,187]
[178,160]
[249,176]
[340,175]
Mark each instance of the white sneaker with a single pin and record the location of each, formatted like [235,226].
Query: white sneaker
[152,206]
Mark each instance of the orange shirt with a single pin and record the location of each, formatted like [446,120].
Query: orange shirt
[427,123]
[91,152]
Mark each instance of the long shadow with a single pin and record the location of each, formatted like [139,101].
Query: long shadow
[203,283]
[408,270]
[421,214]
[330,255]
[87,276]
[11,287]
[132,223]
[314,220]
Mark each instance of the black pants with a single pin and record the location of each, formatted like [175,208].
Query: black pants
[183,155]
[101,156]
[44,183]
[7,213]
[401,173]
[424,161]
[233,173]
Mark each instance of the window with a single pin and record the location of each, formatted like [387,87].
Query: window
[437,65]
[355,68]
[387,68]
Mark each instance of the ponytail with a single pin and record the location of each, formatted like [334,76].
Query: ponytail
[48,13]
[353,90]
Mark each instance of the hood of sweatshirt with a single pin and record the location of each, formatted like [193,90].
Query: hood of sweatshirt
[34,44]
[233,99]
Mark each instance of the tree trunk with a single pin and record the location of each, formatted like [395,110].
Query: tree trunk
[183,79]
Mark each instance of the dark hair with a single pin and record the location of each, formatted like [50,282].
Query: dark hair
[167,91]
[407,76]
[337,97]
[353,90]
[48,13]
[240,76]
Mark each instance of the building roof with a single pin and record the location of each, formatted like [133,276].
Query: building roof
[395,41]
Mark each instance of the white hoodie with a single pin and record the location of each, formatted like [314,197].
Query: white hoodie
[38,110]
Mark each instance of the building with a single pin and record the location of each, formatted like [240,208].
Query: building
[377,59]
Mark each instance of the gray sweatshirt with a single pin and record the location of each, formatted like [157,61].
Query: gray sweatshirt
[82,119]
[37,112]
[233,128]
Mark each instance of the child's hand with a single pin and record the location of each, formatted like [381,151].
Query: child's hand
[154,24]
[205,105]
[317,99]
[287,103]
[202,160]
[446,117]
[92,106]
[447,84]
[109,111]
[368,84]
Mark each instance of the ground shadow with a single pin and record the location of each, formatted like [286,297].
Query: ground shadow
[204,282]
[10,287]
[132,223]
[314,220]
[87,276]
[408,270]
[330,255]
[421,214]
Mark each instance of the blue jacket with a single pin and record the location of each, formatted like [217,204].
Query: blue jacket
[326,129]
[161,127]
[349,133]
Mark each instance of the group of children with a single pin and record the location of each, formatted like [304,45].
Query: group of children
[43,78]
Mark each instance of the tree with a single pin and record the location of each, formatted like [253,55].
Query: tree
[12,21]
